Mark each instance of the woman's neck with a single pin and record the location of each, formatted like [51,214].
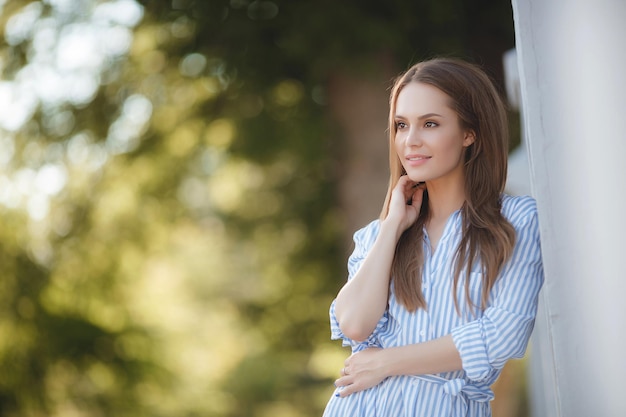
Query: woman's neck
[443,200]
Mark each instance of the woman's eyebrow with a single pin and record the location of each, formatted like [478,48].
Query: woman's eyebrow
[425,116]
[429,115]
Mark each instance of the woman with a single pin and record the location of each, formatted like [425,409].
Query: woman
[442,289]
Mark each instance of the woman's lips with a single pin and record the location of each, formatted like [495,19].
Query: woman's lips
[415,160]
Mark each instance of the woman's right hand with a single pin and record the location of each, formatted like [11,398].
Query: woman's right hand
[362,301]
[405,204]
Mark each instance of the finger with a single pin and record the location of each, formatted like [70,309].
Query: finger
[418,195]
[340,382]
[344,381]
[405,187]
[404,183]
[348,390]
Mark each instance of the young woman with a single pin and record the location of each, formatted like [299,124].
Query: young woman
[442,289]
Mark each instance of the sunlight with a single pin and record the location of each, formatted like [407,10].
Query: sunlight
[73,45]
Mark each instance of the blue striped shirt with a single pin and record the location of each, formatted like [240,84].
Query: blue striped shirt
[485,339]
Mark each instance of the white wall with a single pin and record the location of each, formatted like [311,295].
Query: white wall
[572,63]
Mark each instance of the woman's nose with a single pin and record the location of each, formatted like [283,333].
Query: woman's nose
[413,138]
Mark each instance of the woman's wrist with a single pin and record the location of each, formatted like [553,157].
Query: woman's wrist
[388,362]
[392,227]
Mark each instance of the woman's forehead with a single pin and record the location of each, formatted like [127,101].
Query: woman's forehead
[420,98]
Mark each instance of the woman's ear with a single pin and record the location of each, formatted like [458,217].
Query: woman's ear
[469,138]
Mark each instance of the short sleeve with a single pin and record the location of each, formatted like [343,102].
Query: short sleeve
[363,241]
[504,329]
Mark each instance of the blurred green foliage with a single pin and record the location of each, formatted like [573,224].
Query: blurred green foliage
[170,237]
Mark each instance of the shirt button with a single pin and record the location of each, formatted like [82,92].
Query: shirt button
[422,333]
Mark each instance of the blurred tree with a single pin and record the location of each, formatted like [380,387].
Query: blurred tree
[175,192]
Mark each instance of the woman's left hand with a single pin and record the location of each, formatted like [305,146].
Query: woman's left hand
[362,370]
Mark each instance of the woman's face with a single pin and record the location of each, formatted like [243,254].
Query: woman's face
[429,140]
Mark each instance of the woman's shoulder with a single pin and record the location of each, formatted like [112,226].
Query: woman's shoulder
[363,240]
[518,209]
[367,232]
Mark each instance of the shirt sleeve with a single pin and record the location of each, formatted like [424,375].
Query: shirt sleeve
[363,241]
[504,329]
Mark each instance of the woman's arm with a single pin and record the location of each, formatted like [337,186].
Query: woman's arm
[479,347]
[363,300]
[369,367]
[502,333]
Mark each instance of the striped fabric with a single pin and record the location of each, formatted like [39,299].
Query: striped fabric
[485,339]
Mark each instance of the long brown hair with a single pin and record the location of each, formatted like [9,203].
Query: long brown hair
[487,236]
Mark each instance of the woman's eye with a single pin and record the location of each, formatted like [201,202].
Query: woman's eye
[400,125]
[430,124]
